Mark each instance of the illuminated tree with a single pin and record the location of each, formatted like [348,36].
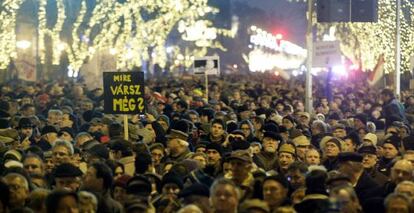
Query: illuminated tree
[365,42]
[132,31]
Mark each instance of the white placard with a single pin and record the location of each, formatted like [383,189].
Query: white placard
[209,65]
[326,54]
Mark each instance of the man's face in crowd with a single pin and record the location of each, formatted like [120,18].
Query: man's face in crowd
[224,198]
[174,146]
[54,118]
[398,205]
[19,191]
[217,130]
[273,192]
[82,139]
[312,157]
[86,105]
[33,166]
[304,120]
[270,145]
[339,133]
[213,156]
[60,154]
[66,137]
[66,122]
[245,129]
[29,112]
[409,157]
[301,150]
[51,137]
[68,204]
[331,150]
[68,183]
[170,190]
[369,160]
[407,189]
[285,159]
[120,194]
[287,123]
[194,118]
[401,171]
[240,168]
[90,181]
[389,151]
[157,155]
[27,131]
[296,178]
[349,146]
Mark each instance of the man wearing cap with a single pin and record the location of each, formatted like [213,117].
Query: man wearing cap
[197,194]
[214,155]
[171,185]
[390,152]
[331,150]
[66,134]
[304,118]
[350,163]
[178,146]
[67,177]
[286,156]
[49,136]
[26,128]
[302,144]
[241,166]
[267,158]
[369,162]
[275,191]
[339,131]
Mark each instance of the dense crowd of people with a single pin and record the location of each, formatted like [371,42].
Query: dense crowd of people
[249,147]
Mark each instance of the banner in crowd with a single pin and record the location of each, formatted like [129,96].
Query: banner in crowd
[209,65]
[123,92]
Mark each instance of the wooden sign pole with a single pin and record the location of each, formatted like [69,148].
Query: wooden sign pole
[126,134]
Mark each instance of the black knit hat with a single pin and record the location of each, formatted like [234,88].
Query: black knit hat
[69,130]
[315,182]
[195,189]
[216,147]
[172,178]
[139,185]
[99,150]
[270,127]
[362,117]
[369,149]
[25,123]
[67,170]
[349,156]
[273,136]
[393,140]
[48,129]
[278,178]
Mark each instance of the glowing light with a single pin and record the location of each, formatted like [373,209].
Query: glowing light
[113,51]
[279,36]
[235,66]
[23,44]
[61,46]
[339,70]
[295,73]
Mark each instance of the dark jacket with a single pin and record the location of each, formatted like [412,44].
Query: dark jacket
[313,203]
[378,177]
[393,111]
[384,166]
[180,157]
[382,191]
[364,186]
[266,160]
[331,163]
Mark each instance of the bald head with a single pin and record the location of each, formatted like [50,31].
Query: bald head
[402,171]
